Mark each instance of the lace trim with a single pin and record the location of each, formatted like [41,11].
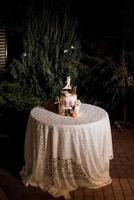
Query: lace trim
[63,168]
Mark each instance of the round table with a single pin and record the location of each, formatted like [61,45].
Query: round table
[63,153]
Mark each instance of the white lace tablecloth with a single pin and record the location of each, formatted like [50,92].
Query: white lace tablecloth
[64,153]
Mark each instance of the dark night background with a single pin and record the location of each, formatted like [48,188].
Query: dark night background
[96,18]
[108,21]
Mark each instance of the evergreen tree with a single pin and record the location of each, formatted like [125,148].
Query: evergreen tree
[51,51]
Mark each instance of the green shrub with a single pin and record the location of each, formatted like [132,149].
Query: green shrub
[51,51]
[13,96]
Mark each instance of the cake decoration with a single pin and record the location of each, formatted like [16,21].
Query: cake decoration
[68,104]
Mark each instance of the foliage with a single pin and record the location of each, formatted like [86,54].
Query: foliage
[108,81]
[50,51]
[114,84]
[120,87]
[12,96]
[90,80]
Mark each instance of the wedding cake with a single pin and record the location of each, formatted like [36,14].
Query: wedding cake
[68,104]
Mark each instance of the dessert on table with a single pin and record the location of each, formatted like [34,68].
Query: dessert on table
[68,104]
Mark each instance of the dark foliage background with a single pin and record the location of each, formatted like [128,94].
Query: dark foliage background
[99,54]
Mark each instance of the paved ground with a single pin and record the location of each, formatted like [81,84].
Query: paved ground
[122,166]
